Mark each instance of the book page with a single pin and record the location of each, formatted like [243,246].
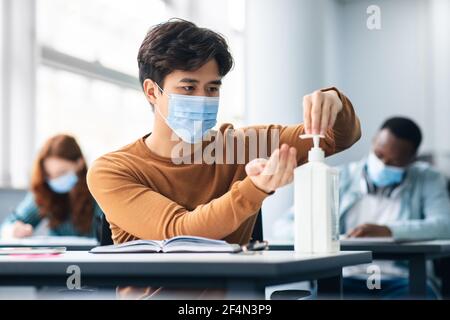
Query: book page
[135,246]
[192,240]
[198,244]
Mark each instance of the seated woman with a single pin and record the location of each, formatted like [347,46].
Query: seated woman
[59,194]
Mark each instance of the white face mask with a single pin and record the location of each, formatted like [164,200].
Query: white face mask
[191,117]
[64,183]
[382,175]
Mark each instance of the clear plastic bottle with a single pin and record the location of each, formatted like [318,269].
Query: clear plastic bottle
[316,204]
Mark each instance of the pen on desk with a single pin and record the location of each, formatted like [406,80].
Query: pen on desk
[255,246]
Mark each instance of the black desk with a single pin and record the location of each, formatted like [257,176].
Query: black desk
[416,253]
[243,275]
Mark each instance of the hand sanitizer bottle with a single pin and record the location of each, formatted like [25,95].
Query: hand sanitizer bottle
[316,203]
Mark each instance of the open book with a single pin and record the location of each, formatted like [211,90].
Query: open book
[176,244]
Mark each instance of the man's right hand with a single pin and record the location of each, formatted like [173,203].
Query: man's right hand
[22,230]
[278,171]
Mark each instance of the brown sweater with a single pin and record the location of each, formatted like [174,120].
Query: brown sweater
[145,196]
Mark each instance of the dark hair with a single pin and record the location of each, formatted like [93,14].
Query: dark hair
[180,45]
[404,128]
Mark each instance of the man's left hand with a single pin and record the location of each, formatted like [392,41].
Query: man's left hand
[370,230]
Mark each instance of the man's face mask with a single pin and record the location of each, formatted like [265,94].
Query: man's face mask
[382,175]
[191,117]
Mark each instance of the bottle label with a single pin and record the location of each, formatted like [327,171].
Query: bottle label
[334,207]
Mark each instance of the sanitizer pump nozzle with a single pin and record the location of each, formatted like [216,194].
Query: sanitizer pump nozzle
[316,153]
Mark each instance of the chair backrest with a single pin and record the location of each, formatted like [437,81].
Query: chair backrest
[258,229]
[105,232]
[105,236]
[448,186]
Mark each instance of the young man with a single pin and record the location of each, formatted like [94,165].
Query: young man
[151,190]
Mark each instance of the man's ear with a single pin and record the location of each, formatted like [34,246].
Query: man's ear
[150,89]
[413,158]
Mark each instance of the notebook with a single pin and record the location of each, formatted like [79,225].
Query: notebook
[32,251]
[48,241]
[176,244]
[375,240]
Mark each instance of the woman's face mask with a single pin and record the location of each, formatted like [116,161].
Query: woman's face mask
[64,183]
[382,175]
[191,117]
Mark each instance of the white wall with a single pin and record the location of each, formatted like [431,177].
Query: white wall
[387,72]
[296,46]
[402,69]
[440,26]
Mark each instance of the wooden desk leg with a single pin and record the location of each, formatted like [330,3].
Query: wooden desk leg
[243,289]
[417,277]
[445,277]
[330,287]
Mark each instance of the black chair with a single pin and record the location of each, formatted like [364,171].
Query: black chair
[257,234]
[105,236]
[448,186]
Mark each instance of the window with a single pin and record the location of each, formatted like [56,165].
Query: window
[103,116]
[103,31]
[87,82]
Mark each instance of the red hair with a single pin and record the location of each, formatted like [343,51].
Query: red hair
[56,207]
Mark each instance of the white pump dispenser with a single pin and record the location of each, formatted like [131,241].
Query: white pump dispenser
[316,203]
[316,153]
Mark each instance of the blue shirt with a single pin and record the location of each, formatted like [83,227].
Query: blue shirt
[424,204]
[28,212]
[424,208]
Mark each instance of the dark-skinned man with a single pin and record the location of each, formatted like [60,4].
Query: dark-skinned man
[388,194]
